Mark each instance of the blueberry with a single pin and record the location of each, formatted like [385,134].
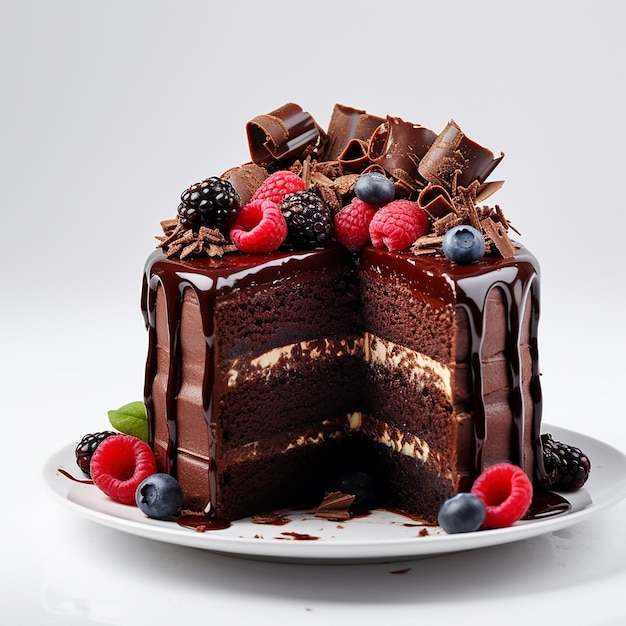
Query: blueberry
[463,244]
[463,513]
[374,188]
[361,485]
[159,496]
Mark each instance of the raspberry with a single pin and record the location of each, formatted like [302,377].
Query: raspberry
[119,464]
[397,225]
[309,220]
[506,492]
[212,202]
[87,446]
[259,227]
[352,224]
[277,186]
[567,467]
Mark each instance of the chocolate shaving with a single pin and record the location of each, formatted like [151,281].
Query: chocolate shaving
[274,519]
[335,506]
[331,198]
[497,233]
[180,242]
[288,132]
[454,159]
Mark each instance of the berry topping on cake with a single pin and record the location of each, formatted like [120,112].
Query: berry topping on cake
[374,188]
[352,224]
[277,186]
[397,225]
[159,496]
[309,220]
[87,446]
[259,227]
[212,203]
[506,492]
[463,513]
[567,467]
[119,464]
[463,244]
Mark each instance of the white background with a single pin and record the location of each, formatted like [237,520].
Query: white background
[108,110]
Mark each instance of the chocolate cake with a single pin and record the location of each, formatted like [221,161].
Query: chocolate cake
[271,374]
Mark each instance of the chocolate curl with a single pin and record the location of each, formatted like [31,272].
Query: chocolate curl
[354,156]
[454,159]
[399,145]
[285,133]
[348,125]
[245,180]
[436,201]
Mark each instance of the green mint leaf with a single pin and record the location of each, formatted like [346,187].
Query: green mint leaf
[131,419]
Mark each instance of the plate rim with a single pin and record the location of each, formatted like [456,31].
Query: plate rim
[331,550]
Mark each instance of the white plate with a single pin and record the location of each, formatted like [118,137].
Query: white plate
[379,537]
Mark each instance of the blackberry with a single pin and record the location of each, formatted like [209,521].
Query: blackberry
[87,446]
[213,203]
[567,467]
[309,220]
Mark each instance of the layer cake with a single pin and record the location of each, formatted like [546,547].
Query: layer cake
[271,374]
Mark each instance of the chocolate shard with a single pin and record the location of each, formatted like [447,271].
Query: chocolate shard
[286,133]
[436,201]
[400,145]
[335,506]
[354,157]
[454,159]
[488,189]
[496,231]
[347,125]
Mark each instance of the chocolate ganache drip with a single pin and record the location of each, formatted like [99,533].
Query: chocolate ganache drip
[519,283]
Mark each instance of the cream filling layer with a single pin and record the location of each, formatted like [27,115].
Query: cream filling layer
[419,367]
[403,443]
[262,365]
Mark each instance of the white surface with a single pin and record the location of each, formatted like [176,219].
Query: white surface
[110,109]
[381,536]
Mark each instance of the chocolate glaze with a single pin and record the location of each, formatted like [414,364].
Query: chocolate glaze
[546,504]
[73,478]
[202,523]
